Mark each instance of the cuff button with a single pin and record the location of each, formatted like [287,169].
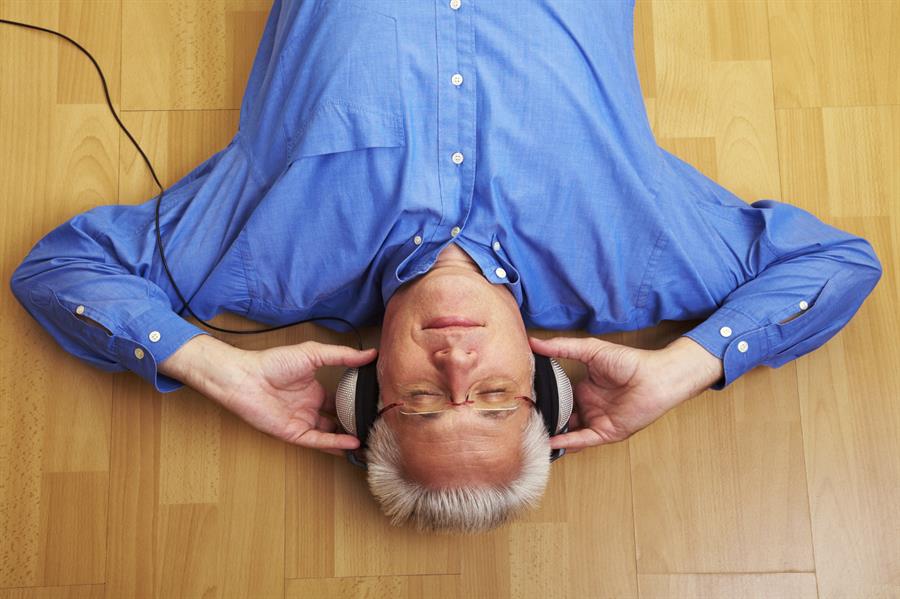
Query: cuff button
[742,346]
[154,336]
[725,331]
[138,353]
[79,310]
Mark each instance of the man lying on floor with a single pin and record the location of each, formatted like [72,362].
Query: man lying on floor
[456,171]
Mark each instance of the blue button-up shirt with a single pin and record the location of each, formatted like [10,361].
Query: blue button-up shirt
[372,135]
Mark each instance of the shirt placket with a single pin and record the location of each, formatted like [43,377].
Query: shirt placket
[456,113]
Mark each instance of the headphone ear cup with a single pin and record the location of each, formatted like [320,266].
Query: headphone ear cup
[565,394]
[356,400]
[345,400]
[554,393]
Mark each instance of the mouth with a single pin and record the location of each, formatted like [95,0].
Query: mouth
[451,321]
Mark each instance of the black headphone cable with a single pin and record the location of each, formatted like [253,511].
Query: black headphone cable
[159,199]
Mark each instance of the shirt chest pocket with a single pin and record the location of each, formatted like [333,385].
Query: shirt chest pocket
[340,70]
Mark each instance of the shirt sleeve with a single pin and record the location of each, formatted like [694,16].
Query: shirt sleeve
[104,265]
[810,278]
[263,103]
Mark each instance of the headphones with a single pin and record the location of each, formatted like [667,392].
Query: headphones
[356,401]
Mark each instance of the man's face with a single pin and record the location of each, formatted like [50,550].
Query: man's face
[460,445]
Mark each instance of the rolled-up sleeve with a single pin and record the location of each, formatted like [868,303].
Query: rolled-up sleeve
[812,279]
[103,265]
[74,271]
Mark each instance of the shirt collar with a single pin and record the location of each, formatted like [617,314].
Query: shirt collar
[409,260]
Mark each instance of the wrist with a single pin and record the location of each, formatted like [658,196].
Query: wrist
[689,367]
[203,363]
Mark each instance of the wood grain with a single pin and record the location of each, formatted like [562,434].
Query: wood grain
[733,586]
[784,485]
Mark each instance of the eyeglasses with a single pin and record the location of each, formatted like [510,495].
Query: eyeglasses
[358,460]
[434,403]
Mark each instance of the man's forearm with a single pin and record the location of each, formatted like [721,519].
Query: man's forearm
[693,367]
[203,363]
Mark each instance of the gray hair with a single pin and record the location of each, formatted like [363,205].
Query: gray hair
[466,509]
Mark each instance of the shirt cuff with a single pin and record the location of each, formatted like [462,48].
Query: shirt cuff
[149,339]
[735,339]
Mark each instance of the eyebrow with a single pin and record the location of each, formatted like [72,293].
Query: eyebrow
[497,415]
[488,415]
[408,388]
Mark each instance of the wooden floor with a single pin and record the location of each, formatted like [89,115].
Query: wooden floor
[785,485]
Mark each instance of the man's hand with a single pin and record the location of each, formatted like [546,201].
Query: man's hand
[280,395]
[275,389]
[627,388]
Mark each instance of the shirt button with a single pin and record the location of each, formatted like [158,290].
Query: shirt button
[154,336]
[454,4]
[456,79]
[454,231]
[725,331]
[804,305]
[742,346]
[138,353]
[496,246]
[417,240]
[500,272]
[457,158]
[79,310]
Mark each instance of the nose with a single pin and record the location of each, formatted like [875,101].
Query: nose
[456,363]
[455,356]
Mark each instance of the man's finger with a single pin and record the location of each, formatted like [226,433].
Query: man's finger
[326,424]
[579,439]
[324,354]
[316,439]
[575,348]
[574,425]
